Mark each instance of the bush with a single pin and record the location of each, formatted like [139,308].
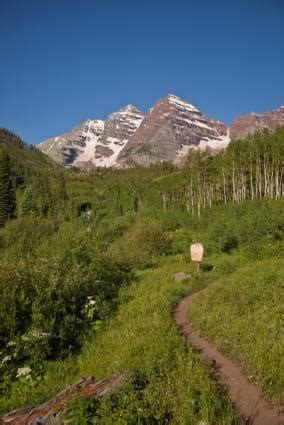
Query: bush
[16,296]
[230,243]
[50,304]
[142,244]
[23,236]
[112,229]
[227,227]
[181,241]
[228,263]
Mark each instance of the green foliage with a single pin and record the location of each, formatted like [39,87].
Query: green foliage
[39,183]
[23,237]
[7,202]
[28,204]
[227,227]
[181,240]
[241,313]
[112,229]
[17,293]
[26,159]
[142,244]
[49,303]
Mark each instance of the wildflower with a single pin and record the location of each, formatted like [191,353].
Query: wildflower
[11,344]
[35,333]
[6,359]
[90,301]
[23,371]
[25,337]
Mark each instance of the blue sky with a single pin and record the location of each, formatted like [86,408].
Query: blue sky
[63,61]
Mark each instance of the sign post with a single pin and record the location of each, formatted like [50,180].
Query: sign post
[196,252]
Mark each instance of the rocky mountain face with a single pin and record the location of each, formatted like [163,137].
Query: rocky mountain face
[118,129]
[167,132]
[248,124]
[170,129]
[79,143]
[94,141]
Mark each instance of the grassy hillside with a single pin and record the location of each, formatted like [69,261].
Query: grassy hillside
[242,314]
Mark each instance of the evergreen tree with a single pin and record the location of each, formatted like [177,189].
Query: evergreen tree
[28,205]
[62,193]
[7,200]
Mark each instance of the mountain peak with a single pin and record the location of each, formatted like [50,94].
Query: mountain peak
[128,109]
[98,123]
[180,103]
[172,96]
[169,130]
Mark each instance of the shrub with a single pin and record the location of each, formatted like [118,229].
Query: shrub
[142,244]
[16,295]
[231,242]
[23,236]
[44,302]
[181,241]
[112,229]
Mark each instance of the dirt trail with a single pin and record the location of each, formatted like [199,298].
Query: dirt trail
[244,395]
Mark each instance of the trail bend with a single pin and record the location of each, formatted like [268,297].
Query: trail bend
[244,395]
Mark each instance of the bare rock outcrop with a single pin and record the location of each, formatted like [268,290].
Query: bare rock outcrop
[247,125]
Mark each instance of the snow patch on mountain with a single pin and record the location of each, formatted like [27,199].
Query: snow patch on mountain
[91,133]
[103,148]
[179,103]
[215,144]
[128,137]
[115,146]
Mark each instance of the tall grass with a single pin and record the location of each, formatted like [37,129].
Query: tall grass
[241,312]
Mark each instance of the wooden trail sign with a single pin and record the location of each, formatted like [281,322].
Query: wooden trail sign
[196,252]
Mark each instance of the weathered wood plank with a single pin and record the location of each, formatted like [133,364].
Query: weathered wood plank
[48,413]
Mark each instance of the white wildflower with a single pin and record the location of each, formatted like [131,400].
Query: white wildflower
[23,371]
[38,334]
[25,337]
[90,301]
[11,344]
[6,359]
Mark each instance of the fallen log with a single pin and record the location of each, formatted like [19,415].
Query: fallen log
[48,413]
